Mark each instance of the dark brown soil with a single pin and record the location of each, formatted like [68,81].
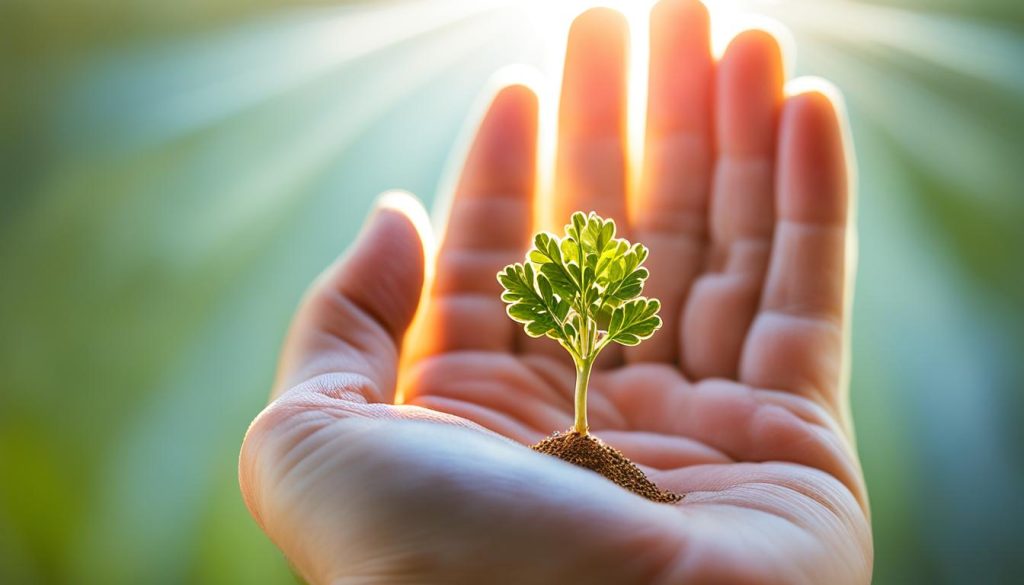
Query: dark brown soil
[592,453]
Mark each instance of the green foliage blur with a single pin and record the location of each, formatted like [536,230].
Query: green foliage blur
[172,175]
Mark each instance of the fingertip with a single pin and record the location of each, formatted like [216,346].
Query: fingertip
[598,35]
[356,313]
[819,95]
[405,209]
[812,113]
[814,162]
[398,235]
[518,98]
[515,90]
[384,270]
[752,50]
[511,120]
[501,160]
[681,69]
[812,120]
[679,23]
[680,30]
[594,90]
[598,43]
[667,12]
[399,200]
[750,90]
[755,32]
[598,22]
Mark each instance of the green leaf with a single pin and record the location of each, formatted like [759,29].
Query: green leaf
[570,249]
[611,256]
[530,299]
[537,328]
[539,257]
[560,280]
[625,276]
[577,225]
[607,234]
[634,321]
[546,249]
[584,282]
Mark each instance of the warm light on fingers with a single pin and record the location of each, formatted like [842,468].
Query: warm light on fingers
[408,205]
[552,20]
[509,75]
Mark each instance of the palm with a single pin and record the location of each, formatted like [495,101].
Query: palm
[737,402]
[751,521]
[650,411]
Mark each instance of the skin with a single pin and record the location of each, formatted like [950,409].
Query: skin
[739,401]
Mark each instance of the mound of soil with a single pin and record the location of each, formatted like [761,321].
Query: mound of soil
[592,453]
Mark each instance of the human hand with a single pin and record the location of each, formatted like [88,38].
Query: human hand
[738,402]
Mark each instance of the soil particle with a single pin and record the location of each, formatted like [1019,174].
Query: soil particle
[592,453]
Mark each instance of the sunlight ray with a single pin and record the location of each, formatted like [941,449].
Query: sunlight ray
[970,48]
[552,21]
[258,195]
[974,162]
[154,95]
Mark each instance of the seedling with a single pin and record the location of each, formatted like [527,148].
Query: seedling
[584,291]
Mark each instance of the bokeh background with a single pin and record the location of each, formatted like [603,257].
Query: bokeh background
[173,174]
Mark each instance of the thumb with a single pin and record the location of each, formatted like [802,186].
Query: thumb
[354,316]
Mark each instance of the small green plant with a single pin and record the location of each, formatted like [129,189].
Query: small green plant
[583,291]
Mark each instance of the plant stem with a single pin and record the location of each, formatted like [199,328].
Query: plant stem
[582,380]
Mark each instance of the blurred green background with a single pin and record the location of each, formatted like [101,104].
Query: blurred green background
[174,174]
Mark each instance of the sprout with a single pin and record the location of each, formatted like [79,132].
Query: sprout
[583,291]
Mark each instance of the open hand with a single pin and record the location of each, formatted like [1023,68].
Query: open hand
[739,401]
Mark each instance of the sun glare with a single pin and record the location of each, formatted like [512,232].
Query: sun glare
[552,21]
